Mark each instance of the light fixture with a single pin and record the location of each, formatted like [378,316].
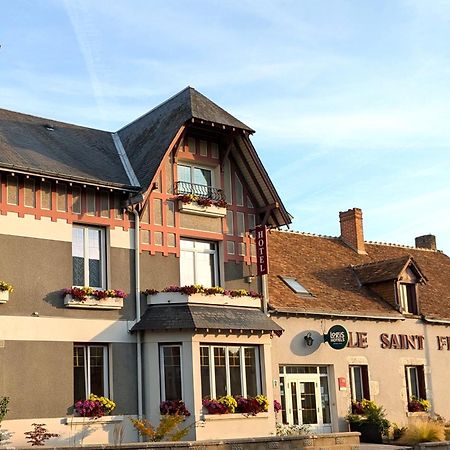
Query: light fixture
[308,339]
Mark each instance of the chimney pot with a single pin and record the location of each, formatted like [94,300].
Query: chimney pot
[352,229]
[426,241]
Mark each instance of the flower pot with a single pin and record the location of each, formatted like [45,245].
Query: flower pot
[4,296]
[370,432]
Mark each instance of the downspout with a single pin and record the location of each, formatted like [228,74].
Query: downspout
[265,293]
[137,283]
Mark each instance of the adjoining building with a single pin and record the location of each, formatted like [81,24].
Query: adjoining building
[393,300]
[168,200]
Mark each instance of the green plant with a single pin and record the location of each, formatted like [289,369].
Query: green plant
[418,404]
[39,435]
[229,402]
[4,401]
[368,412]
[423,431]
[396,432]
[4,286]
[168,429]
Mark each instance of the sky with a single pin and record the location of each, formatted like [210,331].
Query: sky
[350,100]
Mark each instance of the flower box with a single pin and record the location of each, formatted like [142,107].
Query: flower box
[163,298]
[93,303]
[209,211]
[4,296]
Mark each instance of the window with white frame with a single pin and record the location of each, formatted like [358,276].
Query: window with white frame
[359,383]
[230,370]
[171,372]
[407,298]
[415,382]
[195,180]
[90,371]
[198,263]
[88,256]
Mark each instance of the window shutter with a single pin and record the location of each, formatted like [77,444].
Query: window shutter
[421,377]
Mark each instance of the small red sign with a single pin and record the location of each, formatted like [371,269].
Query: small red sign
[262,259]
[342,383]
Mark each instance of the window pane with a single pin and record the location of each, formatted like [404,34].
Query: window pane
[95,275]
[78,256]
[204,269]
[187,276]
[184,173]
[251,371]
[97,367]
[202,176]
[325,397]
[172,372]
[357,386]
[413,382]
[79,378]
[204,368]
[234,357]
[220,371]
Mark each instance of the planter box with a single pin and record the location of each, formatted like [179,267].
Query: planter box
[4,296]
[93,303]
[209,211]
[163,298]
[369,432]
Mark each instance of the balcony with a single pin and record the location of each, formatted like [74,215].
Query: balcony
[200,199]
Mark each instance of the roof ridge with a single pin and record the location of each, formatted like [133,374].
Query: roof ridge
[156,107]
[388,244]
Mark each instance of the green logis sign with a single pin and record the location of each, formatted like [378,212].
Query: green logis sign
[337,337]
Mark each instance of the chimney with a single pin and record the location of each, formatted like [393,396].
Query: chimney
[426,241]
[352,229]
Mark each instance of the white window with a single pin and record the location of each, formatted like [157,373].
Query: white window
[359,383]
[407,298]
[415,382]
[90,371]
[230,370]
[171,372]
[198,263]
[195,180]
[88,256]
[295,285]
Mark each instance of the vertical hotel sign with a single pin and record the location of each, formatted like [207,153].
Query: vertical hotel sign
[261,250]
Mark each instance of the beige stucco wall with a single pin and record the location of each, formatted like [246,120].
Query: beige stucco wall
[385,365]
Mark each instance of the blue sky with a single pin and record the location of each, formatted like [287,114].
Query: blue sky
[350,100]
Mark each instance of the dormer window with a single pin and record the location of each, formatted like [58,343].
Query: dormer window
[407,298]
[195,180]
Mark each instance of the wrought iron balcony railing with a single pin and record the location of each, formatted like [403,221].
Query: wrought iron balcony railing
[200,190]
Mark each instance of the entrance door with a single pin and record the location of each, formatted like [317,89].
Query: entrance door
[303,401]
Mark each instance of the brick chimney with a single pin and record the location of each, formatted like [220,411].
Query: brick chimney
[352,229]
[426,241]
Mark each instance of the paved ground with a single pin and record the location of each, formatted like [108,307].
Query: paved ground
[382,447]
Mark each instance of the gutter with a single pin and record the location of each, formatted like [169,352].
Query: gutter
[437,321]
[343,315]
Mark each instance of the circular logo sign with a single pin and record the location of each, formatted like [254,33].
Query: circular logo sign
[337,337]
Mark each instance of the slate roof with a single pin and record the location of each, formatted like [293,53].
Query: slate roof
[323,265]
[389,269]
[147,139]
[204,317]
[69,151]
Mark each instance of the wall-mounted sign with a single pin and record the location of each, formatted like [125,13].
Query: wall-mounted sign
[337,337]
[262,260]
[342,383]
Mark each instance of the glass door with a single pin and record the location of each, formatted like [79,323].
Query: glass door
[303,400]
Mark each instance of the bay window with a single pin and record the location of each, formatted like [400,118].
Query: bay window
[90,371]
[229,370]
[198,263]
[88,256]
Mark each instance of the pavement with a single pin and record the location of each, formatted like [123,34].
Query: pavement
[364,446]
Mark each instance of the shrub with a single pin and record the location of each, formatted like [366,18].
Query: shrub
[39,435]
[4,401]
[168,428]
[423,431]
[367,411]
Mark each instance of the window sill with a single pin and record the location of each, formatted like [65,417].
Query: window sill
[93,303]
[235,416]
[417,414]
[75,420]
[4,296]
[208,211]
